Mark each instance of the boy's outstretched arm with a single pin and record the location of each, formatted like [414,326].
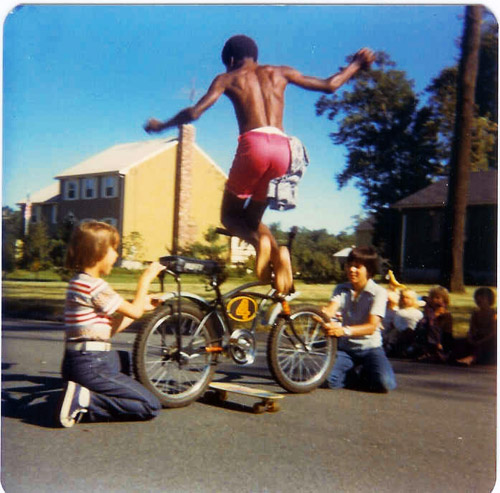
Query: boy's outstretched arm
[133,310]
[188,115]
[362,59]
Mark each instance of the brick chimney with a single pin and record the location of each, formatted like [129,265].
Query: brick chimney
[184,225]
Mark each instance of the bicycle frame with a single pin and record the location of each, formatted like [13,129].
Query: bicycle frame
[217,306]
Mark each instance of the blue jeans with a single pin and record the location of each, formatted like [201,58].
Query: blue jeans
[114,394]
[366,368]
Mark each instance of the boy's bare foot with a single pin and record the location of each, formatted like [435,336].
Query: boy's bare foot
[263,260]
[283,271]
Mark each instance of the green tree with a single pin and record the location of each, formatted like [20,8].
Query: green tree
[211,248]
[312,255]
[133,246]
[392,144]
[37,247]
[442,102]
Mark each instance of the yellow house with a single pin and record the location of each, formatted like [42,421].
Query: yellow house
[167,190]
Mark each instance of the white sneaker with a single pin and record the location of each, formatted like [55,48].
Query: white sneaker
[74,403]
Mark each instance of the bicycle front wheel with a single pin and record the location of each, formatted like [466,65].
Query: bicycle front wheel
[299,353]
[176,376]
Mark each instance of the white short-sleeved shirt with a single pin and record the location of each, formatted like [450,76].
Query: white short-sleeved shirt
[90,302]
[407,318]
[356,311]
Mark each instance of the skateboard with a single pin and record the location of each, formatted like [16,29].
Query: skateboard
[267,399]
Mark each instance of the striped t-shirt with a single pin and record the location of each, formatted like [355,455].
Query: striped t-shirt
[90,302]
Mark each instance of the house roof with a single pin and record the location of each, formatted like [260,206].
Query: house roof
[483,190]
[48,194]
[123,157]
[119,158]
[344,253]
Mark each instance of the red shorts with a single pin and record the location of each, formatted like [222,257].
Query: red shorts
[260,158]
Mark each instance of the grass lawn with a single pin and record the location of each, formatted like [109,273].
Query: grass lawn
[41,295]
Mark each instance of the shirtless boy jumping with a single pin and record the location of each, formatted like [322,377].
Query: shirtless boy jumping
[257,93]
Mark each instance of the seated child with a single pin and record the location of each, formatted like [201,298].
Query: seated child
[433,334]
[97,379]
[389,333]
[482,336]
[405,322]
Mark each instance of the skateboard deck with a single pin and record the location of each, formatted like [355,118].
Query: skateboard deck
[268,400]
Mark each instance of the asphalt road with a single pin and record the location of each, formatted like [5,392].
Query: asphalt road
[435,433]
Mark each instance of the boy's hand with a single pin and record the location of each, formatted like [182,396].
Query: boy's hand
[153,269]
[333,329]
[365,57]
[152,302]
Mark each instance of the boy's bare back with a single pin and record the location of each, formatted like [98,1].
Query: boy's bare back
[257,94]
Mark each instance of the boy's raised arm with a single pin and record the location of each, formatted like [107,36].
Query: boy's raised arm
[362,59]
[188,115]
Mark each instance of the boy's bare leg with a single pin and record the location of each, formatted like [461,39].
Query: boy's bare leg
[263,250]
[244,221]
[269,253]
[284,273]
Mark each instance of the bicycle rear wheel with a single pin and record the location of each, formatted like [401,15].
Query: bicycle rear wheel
[176,377]
[300,364]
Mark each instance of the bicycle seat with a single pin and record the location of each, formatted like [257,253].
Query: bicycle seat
[186,265]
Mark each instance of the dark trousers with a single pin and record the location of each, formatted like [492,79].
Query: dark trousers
[114,394]
[365,368]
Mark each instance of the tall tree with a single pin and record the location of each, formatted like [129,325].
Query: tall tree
[461,151]
[391,143]
[442,103]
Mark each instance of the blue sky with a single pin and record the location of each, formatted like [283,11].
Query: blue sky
[81,78]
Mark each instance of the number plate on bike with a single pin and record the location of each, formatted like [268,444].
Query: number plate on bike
[242,308]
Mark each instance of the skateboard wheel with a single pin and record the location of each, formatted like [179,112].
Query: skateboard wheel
[273,407]
[222,395]
[259,408]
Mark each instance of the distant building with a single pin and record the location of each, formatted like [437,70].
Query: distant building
[241,251]
[422,223]
[167,190]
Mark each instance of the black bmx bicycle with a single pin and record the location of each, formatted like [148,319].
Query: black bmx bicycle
[178,346]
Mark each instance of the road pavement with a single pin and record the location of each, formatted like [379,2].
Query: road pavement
[435,433]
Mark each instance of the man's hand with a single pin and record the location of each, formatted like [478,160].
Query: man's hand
[333,329]
[153,125]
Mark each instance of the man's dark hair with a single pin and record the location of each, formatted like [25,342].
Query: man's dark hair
[239,47]
[366,256]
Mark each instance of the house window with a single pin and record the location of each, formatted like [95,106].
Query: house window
[53,214]
[36,214]
[109,187]
[110,220]
[71,190]
[90,188]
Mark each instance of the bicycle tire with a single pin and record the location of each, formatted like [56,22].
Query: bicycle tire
[156,361]
[294,368]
